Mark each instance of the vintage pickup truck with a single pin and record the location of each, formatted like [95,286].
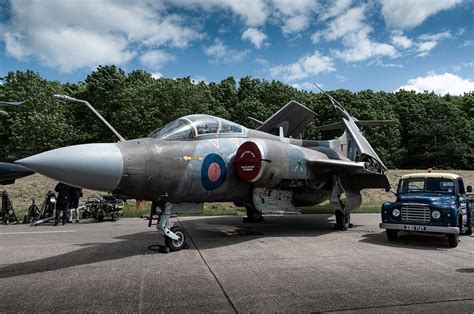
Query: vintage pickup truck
[429,203]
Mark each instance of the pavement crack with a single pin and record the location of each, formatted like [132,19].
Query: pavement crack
[395,305]
[210,270]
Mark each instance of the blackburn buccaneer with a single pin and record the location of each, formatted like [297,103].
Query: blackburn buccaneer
[200,158]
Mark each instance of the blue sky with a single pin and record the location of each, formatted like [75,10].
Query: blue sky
[378,45]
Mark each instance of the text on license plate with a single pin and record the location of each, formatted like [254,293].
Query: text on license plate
[415,228]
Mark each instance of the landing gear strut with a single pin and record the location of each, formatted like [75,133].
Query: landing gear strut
[342,210]
[342,221]
[253,215]
[175,237]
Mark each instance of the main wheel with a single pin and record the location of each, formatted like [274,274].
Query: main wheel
[342,221]
[392,235]
[176,245]
[253,215]
[453,240]
[115,216]
[469,231]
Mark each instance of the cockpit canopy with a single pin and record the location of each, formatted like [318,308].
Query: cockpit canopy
[192,126]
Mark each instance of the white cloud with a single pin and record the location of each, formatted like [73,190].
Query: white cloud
[387,65]
[295,16]
[467,43]
[400,40]
[218,51]
[262,62]
[335,8]
[306,66]
[69,35]
[425,47]
[401,14]
[440,84]
[354,32]
[435,37]
[429,42]
[155,59]
[156,75]
[256,37]
[252,12]
[346,24]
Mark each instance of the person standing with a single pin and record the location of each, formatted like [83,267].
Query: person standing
[76,194]
[62,203]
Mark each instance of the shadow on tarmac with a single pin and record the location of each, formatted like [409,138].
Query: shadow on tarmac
[209,232]
[409,241]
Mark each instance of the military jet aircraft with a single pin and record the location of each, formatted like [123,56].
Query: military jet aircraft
[200,158]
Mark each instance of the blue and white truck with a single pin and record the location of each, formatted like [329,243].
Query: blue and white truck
[430,203]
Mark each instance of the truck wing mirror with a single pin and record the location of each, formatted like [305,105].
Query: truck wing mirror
[469,189]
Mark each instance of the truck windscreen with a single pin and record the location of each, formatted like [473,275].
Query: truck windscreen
[427,185]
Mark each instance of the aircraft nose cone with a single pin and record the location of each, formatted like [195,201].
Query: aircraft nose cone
[91,166]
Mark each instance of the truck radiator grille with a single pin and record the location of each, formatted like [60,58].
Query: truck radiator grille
[416,213]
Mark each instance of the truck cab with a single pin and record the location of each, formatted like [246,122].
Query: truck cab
[435,203]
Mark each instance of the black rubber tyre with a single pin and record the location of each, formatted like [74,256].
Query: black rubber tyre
[342,221]
[453,240]
[115,216]
[176,245]
[469,231]
[253,215]
[392,235]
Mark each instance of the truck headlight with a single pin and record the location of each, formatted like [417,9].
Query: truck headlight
[435,214]
[396,212]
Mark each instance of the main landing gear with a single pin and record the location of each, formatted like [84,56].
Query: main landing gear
[342,209]
[253,215]
[175,237]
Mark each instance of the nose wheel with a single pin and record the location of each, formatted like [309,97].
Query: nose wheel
[175,237]
[176,245]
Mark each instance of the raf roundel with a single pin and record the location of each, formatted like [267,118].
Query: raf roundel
[213,172]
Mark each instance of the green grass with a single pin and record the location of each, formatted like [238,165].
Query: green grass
[228,209]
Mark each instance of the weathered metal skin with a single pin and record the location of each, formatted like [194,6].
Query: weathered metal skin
[154,170]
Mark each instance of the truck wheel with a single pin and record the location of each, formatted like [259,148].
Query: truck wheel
[392,235]
[453,240]
[176,245]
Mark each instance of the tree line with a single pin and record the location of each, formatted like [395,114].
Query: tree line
[432,131]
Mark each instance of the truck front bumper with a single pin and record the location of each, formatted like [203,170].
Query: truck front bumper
[420,228]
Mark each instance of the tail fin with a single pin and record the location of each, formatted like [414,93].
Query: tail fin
[352,142]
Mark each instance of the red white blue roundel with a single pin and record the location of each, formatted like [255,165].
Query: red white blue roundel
[213,172]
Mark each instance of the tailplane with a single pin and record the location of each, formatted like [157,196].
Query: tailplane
[352,143]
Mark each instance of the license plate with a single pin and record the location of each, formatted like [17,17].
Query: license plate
[414,228]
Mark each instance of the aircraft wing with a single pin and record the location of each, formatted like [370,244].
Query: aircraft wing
[293,117]
[362,178]
[337,166]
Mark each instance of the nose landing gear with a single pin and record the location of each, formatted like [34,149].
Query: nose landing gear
[175,237]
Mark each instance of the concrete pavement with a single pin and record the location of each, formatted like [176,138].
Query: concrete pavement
[287,263]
